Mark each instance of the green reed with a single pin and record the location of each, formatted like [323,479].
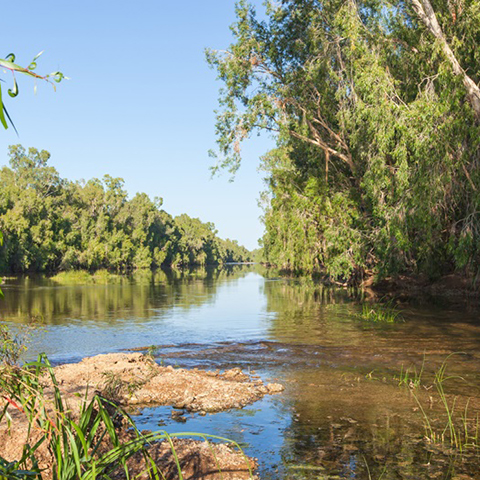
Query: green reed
[459,429]
[385,313]
[411,377]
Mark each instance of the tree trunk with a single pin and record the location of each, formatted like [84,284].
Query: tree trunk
[424,10]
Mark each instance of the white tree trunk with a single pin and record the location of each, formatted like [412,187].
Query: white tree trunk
[425,12]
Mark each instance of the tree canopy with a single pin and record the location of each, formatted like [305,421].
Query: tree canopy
[52,224]
[375,108]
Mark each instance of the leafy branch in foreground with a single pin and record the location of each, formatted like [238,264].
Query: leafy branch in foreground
[8,63]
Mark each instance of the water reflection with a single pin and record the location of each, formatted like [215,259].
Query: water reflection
[127,312]
[342,415]
[136,297]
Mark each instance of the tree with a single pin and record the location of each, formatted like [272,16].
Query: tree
[53,224]
[375,113]
[425,12]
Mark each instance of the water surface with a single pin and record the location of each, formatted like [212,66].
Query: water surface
[343,413]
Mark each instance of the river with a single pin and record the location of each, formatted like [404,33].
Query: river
[361,399]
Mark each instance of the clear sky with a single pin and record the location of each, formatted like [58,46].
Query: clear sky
[139,104]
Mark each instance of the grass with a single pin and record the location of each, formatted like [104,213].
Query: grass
[14,344]
[410,377]
[11,346]
[85,446]
[82,277]
[385,313]
[458,429]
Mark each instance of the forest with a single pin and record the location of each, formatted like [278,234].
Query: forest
[375,108]
[51,224]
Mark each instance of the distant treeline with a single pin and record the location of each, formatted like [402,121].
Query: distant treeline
[51,224]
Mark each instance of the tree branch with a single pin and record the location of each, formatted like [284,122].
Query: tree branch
[425,12]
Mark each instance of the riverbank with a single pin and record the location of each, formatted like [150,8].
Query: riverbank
[452,288]
[132,381]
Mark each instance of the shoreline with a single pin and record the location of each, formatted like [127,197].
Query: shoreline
[133,381]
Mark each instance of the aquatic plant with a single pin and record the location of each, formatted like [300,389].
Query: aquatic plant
[459,429]
[410,377]
[386,313]
[82,277]
[86,446]
[368,470]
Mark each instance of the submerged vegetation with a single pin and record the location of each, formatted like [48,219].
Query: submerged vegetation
[387,313]
[411,377]
[457,427]
[376,108]
[451,425]
[51,224]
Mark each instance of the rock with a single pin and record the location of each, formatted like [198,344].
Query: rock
[275,388]
[234,372]
[140,381]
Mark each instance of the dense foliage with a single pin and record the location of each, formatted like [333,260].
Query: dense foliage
[51,224]
[375,107]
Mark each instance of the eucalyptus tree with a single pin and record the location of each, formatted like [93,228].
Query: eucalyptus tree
[374,105]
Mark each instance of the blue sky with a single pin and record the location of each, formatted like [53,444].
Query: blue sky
[139,104]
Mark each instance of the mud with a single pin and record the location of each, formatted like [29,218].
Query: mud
[450,289]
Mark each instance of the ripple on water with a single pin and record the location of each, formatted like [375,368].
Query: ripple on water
[342,409]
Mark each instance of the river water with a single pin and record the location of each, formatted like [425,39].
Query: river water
[349,409]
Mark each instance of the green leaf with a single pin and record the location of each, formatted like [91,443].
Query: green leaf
[13,92]
[17,68]
[32,66]
[57,76]
[10,120]
[10,57]
[10,65]
[73,450]
[37,55]
[2,116]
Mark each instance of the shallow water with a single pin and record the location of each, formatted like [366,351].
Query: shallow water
[343,413]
